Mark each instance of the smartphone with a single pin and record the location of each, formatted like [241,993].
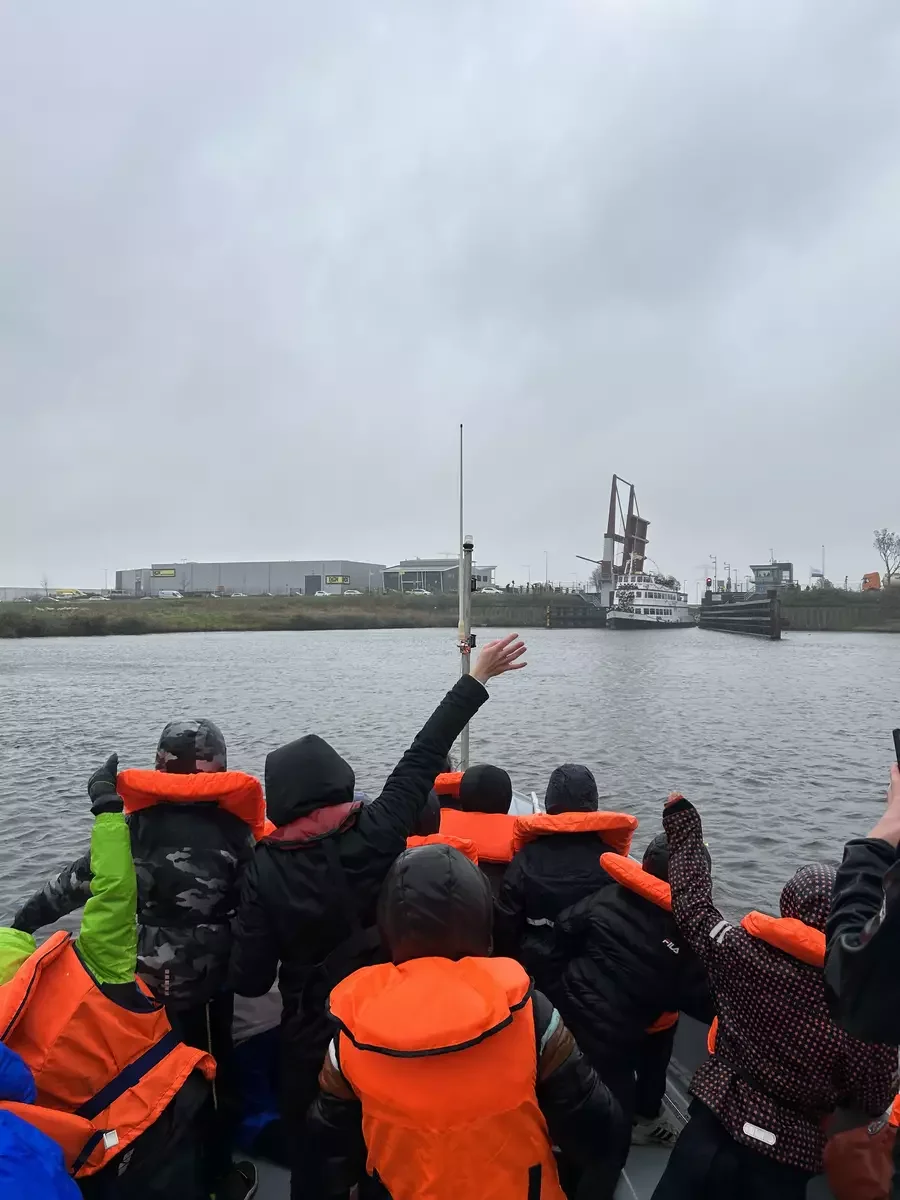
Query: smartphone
[897,745]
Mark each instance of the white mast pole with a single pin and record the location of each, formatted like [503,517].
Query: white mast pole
[464,576]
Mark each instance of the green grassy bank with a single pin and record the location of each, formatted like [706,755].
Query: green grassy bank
[88,618]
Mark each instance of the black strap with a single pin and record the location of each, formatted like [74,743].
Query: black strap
[534,1182]
[87,1150]
[128,1077]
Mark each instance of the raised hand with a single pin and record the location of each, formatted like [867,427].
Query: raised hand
[888,828]
[496,658]
[102,787]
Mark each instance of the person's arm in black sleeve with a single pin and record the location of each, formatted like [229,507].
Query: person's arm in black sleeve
[66,892]
[509,911]
[335,1127]
[693,992]
[862,958]
[390,819]
[254,952]
[583,1117]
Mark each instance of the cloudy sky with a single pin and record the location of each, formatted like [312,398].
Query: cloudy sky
[260,260]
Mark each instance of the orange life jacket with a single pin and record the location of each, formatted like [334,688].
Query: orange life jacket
[784,933]
[895,1112]
[788,934]
[103,1074]
[233,791]
[631,875]
[464,845]
[447,784]
[443,1058]
[616,829]
[491,833]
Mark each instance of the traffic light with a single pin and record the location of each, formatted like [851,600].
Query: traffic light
[708,582]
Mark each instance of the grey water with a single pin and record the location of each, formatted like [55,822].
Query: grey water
[784,747]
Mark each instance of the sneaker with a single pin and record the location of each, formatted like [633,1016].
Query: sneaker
[240,1183]
[662,1130]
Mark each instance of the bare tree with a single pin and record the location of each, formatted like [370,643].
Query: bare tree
[597,577]
[888,546]
[45,584]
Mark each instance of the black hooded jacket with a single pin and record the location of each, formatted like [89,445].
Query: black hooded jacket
[548,875]
[310,892]
[436,903]
[625,965]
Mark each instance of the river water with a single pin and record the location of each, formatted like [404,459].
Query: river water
[785,747]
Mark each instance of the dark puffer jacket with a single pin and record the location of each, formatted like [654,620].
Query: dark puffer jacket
[189,860]
[310,892]
[862,968]
[556,865]
[625,965]
[436,904]
[781,1064]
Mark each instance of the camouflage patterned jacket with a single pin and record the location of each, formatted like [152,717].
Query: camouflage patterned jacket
[189,860]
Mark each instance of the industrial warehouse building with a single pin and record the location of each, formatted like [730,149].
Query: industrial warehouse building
[252,578]
[432,575]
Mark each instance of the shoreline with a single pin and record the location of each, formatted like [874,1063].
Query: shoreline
[829,612]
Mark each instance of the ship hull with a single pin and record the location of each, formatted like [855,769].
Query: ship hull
[616,620]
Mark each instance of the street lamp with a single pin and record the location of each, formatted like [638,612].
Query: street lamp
[715,563]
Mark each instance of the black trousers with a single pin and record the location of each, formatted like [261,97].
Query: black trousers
[208,1027]
[708,1164]
[650,1068]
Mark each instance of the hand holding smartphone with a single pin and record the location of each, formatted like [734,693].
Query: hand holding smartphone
[897,745]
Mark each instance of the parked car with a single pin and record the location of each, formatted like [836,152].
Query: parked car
[352,592]
[323,593]
[166,595]
[239,595]
[492,591]
[420,592]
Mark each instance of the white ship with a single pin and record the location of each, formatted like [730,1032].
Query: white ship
[644,601]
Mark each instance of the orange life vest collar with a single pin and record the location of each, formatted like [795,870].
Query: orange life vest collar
[788,934]
[52,1013]
[492,833]
[232,791]
[631,875]
[396,1010]
[616,829]
[447,783]
[464,845]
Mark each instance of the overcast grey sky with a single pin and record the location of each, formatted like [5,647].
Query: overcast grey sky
[259,260]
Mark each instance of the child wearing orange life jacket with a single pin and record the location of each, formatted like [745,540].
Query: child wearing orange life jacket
[449,1076]
[780,1064]
[193,824]
[115,1088]
[475,809]
[556,864]
[428,831]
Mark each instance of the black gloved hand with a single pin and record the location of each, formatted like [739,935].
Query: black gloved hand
[102,787]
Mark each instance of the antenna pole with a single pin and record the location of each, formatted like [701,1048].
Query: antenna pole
[464,576]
